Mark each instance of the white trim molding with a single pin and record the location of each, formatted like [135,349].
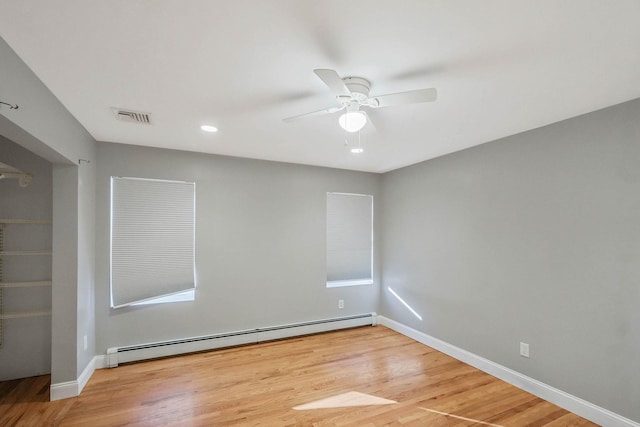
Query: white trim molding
[69,389]
[65,390]
[558,397]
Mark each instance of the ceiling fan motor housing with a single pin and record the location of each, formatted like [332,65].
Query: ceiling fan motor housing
[359,88]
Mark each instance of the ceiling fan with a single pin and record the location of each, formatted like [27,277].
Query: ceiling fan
[352,93]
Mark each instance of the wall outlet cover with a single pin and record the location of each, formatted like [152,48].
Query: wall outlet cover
[524,349]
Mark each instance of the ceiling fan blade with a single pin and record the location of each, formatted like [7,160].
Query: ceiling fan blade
[313,114]
[410,97]
[369,120]
[332,79]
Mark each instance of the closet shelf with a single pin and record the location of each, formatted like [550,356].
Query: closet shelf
[33,284]
[20,253]
[26,221]
[22,314]
[22,284]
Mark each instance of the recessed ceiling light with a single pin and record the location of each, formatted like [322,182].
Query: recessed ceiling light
[209,128]
[357,150]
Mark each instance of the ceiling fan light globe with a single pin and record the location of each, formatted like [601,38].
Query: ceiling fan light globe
[352,121]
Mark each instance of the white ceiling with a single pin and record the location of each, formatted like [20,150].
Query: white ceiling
[500,67]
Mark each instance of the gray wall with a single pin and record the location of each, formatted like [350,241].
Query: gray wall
[532,238]
[73,269]
[26,348]
[260,246]
[85,291]
[44,126]
[65,266]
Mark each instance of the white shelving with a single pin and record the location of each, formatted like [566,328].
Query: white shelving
[21,284]
[23,253]
[37,284]
[25,221]
[22,314]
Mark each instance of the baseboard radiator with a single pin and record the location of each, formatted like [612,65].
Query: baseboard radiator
[132,353]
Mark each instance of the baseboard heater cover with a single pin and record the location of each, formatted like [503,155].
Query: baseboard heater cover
[116,355]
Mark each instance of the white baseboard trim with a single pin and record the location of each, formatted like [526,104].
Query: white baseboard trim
[100,362]
[578,406]
[86,374]
[69,389]
[65,390]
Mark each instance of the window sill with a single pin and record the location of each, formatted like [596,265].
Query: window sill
[354,282]
[189,295]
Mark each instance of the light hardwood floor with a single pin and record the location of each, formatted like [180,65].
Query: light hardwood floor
[259,385]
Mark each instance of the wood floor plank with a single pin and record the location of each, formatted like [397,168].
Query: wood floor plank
[259,385]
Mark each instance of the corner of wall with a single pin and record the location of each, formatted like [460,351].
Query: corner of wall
[67,389]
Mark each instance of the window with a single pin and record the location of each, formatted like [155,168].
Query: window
[349,239]
[152,240]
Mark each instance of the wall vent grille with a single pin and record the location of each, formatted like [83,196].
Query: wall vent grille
[132,116]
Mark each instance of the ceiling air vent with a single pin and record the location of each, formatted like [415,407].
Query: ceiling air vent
[132,116]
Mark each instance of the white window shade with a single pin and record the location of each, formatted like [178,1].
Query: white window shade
[152,239]
[349,239]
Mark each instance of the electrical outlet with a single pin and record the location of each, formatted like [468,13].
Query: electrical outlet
[524,349]
[340,303]
[86,343]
